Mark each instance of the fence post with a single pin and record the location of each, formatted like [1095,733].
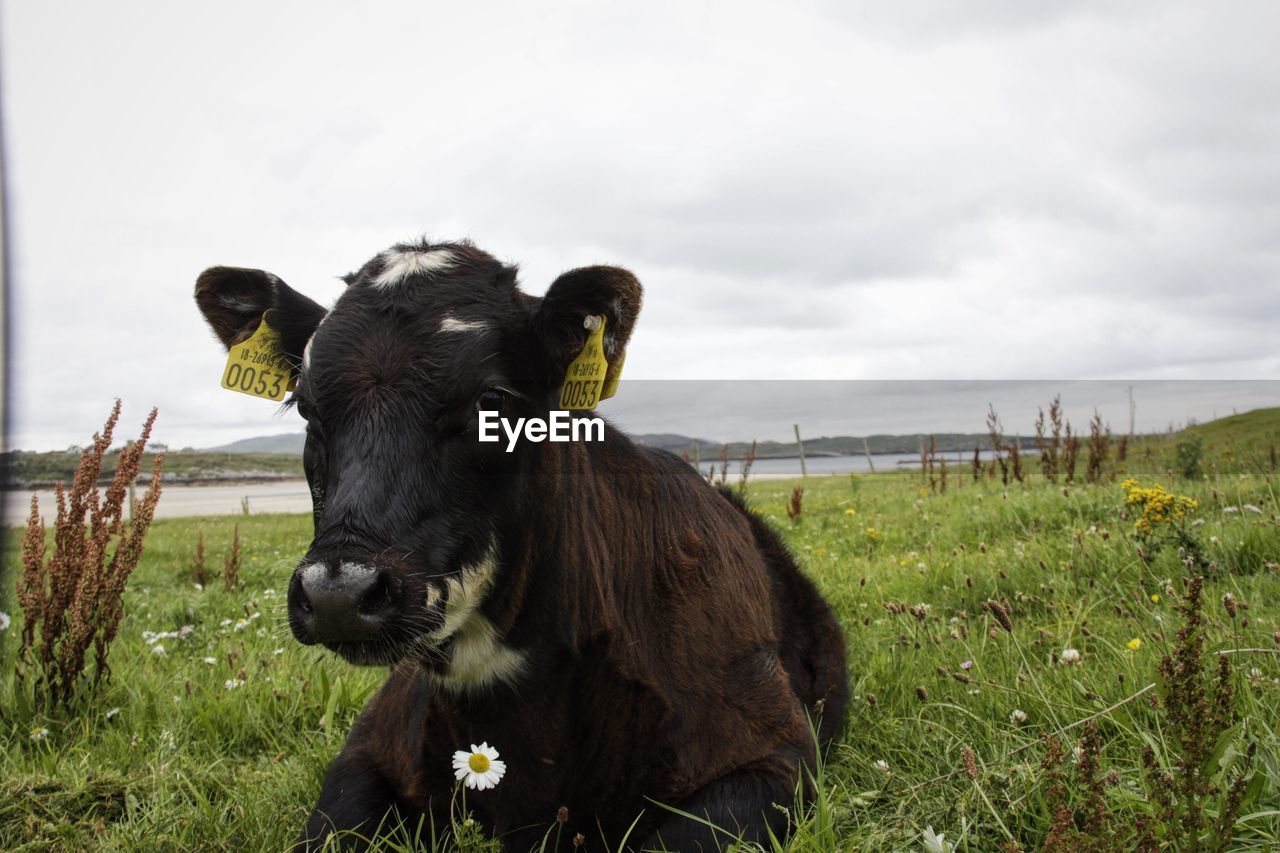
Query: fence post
[804,472]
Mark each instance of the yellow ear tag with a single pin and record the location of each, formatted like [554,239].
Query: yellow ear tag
[585,378]
[612,377]
[257,367]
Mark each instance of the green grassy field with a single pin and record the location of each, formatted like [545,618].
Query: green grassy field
[220,741]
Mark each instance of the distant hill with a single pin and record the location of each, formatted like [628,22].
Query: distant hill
[289,443]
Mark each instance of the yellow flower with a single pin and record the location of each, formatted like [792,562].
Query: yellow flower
[1155,599]
[850,511]
[1135,644]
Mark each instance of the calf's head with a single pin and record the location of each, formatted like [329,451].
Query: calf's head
[391,381]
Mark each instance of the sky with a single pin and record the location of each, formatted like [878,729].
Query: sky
[843,191]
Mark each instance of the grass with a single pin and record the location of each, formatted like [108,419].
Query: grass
[31,469]
[230,754]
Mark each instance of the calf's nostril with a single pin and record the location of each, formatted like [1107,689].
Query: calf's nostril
[377,598]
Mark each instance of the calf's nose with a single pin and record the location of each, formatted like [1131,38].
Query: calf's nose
[349,603]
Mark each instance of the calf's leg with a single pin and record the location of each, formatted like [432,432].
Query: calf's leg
[358,798]
[748,803]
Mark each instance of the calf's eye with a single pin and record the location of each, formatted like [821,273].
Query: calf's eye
[491,400]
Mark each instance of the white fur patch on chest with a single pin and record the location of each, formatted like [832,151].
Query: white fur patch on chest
[478,657]
[398,265]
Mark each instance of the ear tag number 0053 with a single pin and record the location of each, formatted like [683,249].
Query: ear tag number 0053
[589,379]
[257,366]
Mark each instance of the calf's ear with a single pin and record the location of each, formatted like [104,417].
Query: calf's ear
[561,323]
[233,300]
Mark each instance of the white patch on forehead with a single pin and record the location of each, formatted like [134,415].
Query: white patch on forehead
[453,324]
[398,265]
[477,655]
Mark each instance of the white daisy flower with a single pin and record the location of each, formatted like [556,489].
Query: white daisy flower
[1069,657]
[5,621]
[279,651]
[934,842]
[480,768]
[157,649]
[232,683]
[1018,716]
[112,712]
[39,733]
[881,765]
[211,661]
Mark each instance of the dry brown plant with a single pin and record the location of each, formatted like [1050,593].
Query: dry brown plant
[74,600]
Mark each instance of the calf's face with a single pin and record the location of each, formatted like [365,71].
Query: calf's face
[391,380]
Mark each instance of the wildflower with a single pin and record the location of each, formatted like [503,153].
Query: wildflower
[881,765]
[934,842]
[211,661]
[39,733]
[5,621]
[1069,657]
[480,768]
[1155,599]
[1229,604]
[279,651]
[112,712]
[1251,508]
[1214,540]
[1134,644]
[232,683]
[1158,506]
[1018,716]
[224,623]
[967,665]
[850,511]
[158,649]
[874,535]
[199,587]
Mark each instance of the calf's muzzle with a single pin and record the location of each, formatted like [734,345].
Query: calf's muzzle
[340,602]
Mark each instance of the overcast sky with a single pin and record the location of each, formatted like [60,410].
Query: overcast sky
[932,190]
